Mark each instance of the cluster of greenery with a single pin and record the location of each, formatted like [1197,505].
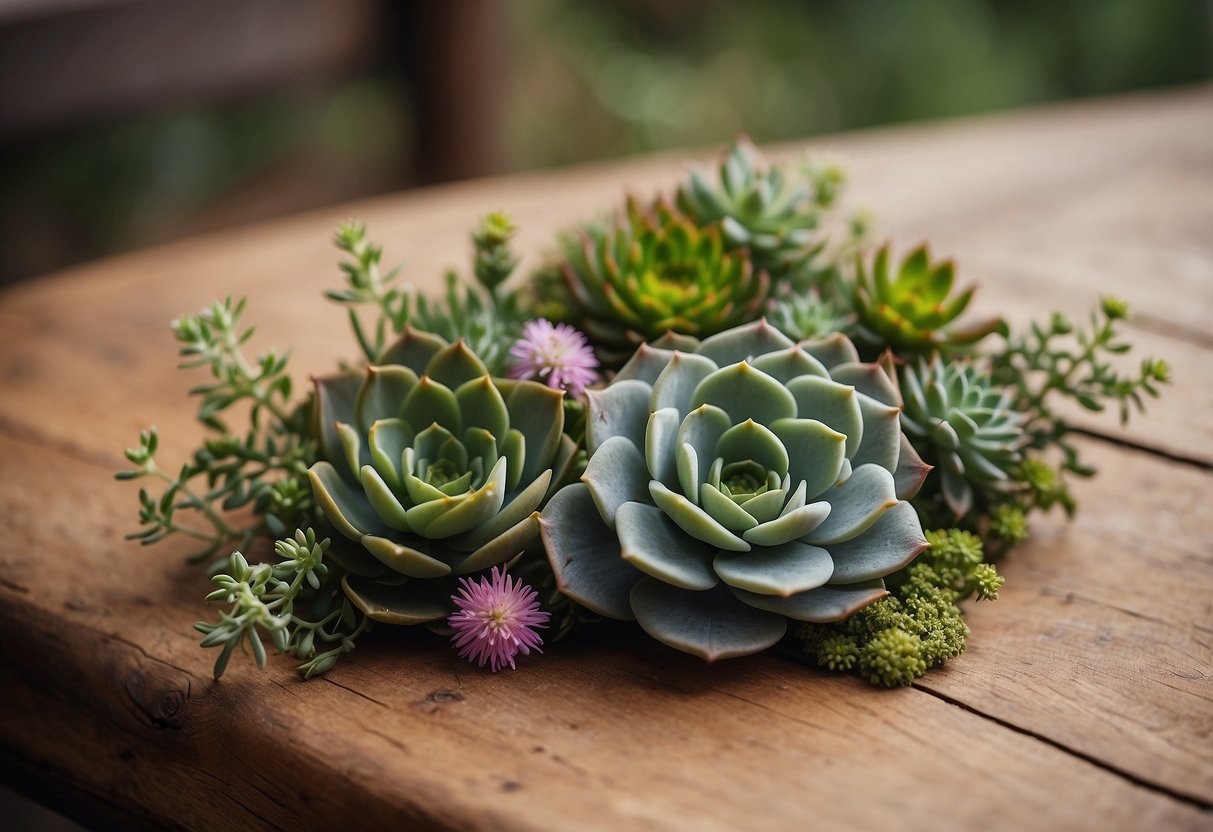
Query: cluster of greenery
[980,407]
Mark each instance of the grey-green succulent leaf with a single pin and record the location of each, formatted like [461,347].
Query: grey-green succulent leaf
[743,465]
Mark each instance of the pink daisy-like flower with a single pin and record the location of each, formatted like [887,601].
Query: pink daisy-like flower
[556,354]
[496,620]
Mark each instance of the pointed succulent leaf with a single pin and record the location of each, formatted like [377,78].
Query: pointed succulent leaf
[881,442]
[413,349]
[616,474]
[651,542]
[694,520]
[677,382]
[911,471]
[455,364]
[892,542]
[776,570]
[335,398]
[483,406]
[869,379]
[821,605]
[723,510]
[538,412]
[585,558]
[405,559]
[745,393]
[518,507]
[831,403]
[659,444]
[743,343]
[409,603]
[785,365]
[712,624]
[431,402]
[856,505]
[815,452]
[831,350]
[646,364]
[346,508]
[621,409]
[793,525]
[508,544]
[383,500]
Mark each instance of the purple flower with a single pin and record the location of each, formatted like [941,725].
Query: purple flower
[496,620]
[555,354]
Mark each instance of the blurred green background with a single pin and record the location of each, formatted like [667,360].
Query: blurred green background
[209,129]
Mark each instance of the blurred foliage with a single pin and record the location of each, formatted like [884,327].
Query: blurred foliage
[607,78]
[588,79]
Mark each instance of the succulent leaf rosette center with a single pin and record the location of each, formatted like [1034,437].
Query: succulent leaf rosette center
[735,486]
[436,468]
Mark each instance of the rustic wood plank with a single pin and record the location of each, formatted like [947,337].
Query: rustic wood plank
[1118,675]
[104,687]
[1102,640]
[966,186]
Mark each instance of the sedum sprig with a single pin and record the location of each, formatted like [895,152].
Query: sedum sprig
[264,469]
[1062,361]
[486,314]
[263,600]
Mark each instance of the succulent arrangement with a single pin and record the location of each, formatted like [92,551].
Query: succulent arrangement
[712,416]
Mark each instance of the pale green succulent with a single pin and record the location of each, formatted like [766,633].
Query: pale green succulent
[766,211]
[436,468]
[735,486]
[973,433]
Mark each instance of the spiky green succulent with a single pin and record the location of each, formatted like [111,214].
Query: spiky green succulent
[733,486]
[766,211]
[808,314]
[657,271]
[435,468]
[915,310]
[967,424]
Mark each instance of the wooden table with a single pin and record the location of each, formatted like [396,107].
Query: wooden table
[1084,701]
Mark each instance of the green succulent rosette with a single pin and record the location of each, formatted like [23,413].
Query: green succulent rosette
[435,468]
[732,486]
[659,271]
[973,433]
[914,310]
[768,212]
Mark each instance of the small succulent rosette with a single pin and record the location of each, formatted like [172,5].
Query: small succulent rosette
[732,486]
[967,425]
[436,469]
[657,270]
[915,309]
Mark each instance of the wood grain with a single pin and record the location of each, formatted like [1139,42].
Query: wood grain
[1084,701]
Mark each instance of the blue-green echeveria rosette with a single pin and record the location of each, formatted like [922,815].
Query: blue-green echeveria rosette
[735,483]
[436,469]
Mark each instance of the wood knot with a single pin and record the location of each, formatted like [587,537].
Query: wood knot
[161,707]
[444,696]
